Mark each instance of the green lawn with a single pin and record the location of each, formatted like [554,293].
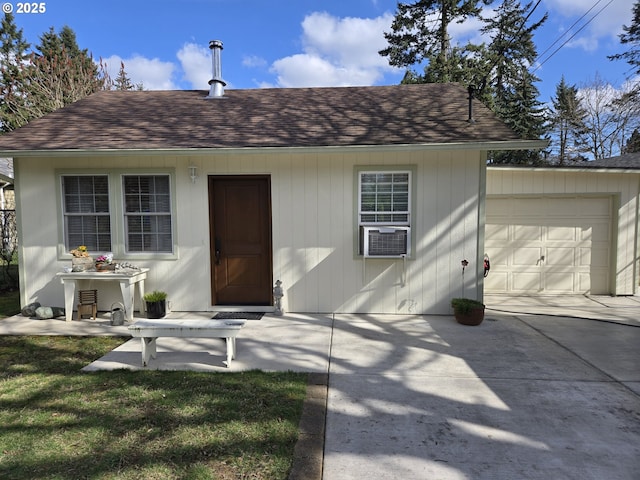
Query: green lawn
[59,423]
[9,303]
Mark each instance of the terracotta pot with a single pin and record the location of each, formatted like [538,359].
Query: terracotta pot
[473,318]
[105,267]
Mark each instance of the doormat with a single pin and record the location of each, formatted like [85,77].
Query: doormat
[238,315]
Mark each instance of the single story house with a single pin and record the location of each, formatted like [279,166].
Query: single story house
[564,230]
[7,197]
[356,199]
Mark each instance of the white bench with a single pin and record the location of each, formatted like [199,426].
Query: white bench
[150,330]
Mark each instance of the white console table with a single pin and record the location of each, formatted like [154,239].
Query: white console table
[127,281]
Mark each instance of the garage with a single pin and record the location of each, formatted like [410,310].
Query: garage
[549,244]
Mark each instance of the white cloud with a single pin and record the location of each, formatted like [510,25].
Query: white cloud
[154,74]
[253,61]
[336,52]
[196,65]
[605,20]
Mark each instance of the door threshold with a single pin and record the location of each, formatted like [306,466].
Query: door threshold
[243,308]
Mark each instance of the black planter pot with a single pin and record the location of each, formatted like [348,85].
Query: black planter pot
[156,309]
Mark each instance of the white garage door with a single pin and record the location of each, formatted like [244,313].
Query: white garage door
[550,245]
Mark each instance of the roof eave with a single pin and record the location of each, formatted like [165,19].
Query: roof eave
[484,146]
[566,169]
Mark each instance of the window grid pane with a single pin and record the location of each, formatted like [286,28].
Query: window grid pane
[148,222]
[384,197]
[86,214]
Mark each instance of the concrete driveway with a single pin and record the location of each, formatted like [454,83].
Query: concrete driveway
[545,388]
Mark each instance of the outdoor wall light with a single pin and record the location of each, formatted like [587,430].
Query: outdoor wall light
[193,173]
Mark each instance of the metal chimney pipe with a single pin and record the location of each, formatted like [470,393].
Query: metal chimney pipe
[216,84]
[471,119]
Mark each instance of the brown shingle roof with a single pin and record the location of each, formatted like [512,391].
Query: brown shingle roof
[293,117]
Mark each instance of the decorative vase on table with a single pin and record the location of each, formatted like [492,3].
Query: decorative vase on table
[105,267]
[81,264]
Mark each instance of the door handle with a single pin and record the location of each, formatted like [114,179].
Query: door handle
[218,247]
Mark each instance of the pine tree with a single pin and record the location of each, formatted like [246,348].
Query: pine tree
[65,73]
[13,52]
[518,107]
[633,144]
[420,31]
[56,74]
[511,54]
[631,37]
[122,81]
[567,120]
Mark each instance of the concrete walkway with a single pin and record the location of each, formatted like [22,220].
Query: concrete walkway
[544,388]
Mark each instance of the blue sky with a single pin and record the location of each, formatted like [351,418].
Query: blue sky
[277,43]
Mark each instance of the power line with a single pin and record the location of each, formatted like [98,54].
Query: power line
[572,36]
[569,29]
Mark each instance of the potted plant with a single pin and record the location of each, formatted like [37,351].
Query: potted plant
[156,302]
[81,261]
[467,311]
[105,263]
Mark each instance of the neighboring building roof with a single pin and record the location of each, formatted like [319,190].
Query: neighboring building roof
[282,117]
[629,161]
[626,161]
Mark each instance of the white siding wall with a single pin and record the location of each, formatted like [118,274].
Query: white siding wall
[623,187]
[314,228]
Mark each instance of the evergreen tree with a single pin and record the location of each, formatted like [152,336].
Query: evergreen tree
[122,81]
[567,119]
[511,53]
[518,107]
[56,74]
[420,31]
[633,144]
[13,54]
[631,37]
[64,72]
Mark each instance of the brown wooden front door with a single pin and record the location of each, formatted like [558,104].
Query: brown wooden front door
[240,223]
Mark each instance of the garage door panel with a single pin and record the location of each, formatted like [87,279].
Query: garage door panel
[495,232]
[572,234]
[555,207]
[497,281]
[560,256]
[559,282]
[593,207]
[526,256]
[500,258]
[527,233]
[558,233]
[525,282]
[524,207]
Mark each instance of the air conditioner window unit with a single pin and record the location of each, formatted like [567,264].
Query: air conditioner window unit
[385,242]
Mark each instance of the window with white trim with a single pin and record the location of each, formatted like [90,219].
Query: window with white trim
[85,204]
[384,197]
[147,212]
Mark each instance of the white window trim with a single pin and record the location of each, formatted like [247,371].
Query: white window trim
[373,171]
[116,208]
[360,169]
[65,215]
